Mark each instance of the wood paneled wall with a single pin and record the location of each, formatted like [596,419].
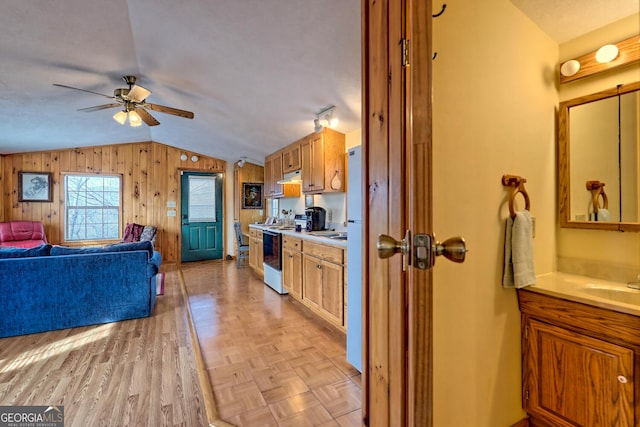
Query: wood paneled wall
[248,173]
[150,178]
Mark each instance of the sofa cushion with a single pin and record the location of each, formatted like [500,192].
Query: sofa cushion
[118,247]
[7,252]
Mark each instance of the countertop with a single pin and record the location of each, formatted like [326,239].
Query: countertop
[605,294]
[305,235]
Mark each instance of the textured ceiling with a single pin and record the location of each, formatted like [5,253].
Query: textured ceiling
[254,72]
[564,20]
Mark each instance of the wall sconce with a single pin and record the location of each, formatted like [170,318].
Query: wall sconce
[194,158]
[242,161]
[325,118]
[606,58]
[183,157]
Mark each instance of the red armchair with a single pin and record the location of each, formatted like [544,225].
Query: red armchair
[22,234]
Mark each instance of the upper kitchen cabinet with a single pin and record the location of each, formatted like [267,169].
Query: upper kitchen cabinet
[273,173]
[323,162]
[291,158]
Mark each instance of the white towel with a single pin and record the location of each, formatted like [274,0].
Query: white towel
[604,215]
[518,252]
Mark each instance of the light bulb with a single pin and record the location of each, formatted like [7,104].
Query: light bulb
[120,117]
[570,68]
[607,53]
[134,119]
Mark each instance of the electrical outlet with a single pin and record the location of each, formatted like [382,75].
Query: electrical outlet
[330,215]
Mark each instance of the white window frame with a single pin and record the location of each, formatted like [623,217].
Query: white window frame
[67,210]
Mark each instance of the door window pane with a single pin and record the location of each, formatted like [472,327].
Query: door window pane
[202,198]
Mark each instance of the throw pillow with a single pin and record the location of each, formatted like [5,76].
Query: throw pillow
[132,232]
[8,252]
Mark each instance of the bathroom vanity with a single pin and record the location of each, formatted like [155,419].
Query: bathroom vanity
[580,352]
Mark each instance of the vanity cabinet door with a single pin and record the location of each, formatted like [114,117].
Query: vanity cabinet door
[570,379]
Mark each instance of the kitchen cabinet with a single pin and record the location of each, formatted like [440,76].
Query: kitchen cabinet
[291,158]
[272,174]
[323,167]
[292,265]
[578,363]
[256,255]
[323,286]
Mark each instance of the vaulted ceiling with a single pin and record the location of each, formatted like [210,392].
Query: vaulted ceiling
[254,72]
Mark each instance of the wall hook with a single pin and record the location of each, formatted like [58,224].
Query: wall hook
[444,6]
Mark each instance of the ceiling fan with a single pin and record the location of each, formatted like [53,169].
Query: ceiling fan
[133,101]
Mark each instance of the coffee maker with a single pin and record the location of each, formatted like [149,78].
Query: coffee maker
[316,217]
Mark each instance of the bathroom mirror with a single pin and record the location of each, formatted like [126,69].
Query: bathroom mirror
[599,160]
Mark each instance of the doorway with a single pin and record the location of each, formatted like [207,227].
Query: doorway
[202,216]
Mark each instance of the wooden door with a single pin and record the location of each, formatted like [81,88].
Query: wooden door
[312,283]
[397,331]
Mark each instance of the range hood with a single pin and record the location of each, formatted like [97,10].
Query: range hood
[294,177]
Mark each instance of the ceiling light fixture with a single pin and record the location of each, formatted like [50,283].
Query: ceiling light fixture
[325,118]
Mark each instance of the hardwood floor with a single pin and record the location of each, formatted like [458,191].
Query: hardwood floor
[138,372]
[270,361]
[267,361]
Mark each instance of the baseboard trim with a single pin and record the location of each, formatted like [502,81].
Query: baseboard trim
[522,423]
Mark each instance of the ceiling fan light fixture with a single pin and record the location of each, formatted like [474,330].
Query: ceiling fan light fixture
[120,117]
[134,119]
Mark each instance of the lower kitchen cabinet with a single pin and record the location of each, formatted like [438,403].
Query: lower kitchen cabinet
[323,281]
[579,363]
[292,266]
[256,255]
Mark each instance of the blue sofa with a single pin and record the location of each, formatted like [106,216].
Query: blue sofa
[56,287]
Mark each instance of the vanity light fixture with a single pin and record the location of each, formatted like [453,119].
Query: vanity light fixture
[570,67]
[607,53]
[608,57]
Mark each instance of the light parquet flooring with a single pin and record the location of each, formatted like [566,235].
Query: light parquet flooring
[138,372]
[270,361]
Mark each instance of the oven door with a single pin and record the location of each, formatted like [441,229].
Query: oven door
[272,249]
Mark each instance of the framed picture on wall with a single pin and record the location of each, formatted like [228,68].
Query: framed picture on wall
[34,187]
[252,195]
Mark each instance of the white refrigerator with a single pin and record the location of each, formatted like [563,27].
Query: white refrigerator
[354,257]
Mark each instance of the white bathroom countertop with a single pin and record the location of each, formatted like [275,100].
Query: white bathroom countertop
[605,294]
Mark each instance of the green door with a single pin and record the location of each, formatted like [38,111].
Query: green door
[201,208]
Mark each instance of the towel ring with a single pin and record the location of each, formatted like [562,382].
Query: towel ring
[517,183]
[597,190]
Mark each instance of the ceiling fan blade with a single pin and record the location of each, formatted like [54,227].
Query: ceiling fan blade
[99,107]
[146,117]
[138,93]
[169,110]
[84,90]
